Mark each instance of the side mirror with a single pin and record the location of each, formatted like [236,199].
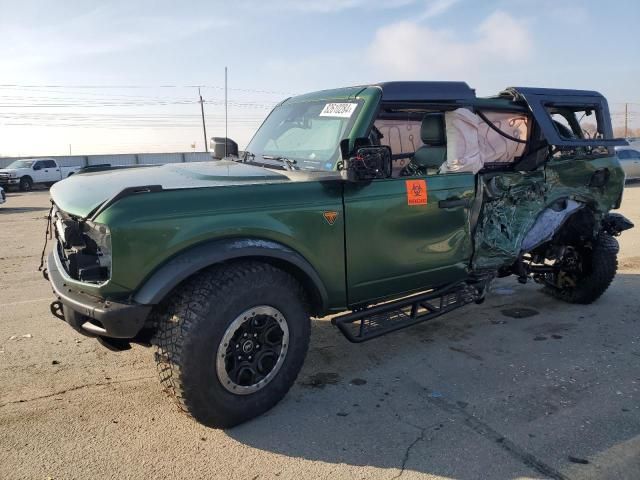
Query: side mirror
[37,167]
[367,163]
[222,146]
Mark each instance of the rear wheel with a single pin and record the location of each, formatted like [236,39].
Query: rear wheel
[586,271]
[231,341]
[26,184]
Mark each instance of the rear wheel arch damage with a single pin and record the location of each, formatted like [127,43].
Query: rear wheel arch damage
[559,215]
[570,251]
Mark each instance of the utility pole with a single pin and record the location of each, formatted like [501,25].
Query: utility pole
[69,149]
[226,133]
[204,127]
[626,120]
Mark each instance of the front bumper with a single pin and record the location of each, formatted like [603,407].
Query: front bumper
[9,181]
[92,315]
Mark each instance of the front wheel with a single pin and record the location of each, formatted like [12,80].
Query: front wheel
[26,184]
[586,273]
[231,341]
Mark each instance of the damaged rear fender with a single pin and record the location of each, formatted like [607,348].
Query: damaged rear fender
[549,222]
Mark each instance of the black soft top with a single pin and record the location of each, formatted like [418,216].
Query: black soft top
[553,92]
[421,91]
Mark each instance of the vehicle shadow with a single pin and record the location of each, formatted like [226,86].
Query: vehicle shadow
[23,209]
[469,395]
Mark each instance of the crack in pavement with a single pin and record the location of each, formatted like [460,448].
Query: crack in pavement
[419,438]
[407,452]
[489,433]
[72,389]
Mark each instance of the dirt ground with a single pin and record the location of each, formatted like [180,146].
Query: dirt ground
[522,387]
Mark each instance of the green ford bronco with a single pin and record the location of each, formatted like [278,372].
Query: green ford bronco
[383,205]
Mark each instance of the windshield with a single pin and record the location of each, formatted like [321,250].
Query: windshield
[308,133]
[21,164]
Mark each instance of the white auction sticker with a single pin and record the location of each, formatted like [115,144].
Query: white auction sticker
[344,110]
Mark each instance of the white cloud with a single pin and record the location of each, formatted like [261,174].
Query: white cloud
[409,50]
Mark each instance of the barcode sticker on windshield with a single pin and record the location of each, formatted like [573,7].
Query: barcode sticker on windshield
[344,110]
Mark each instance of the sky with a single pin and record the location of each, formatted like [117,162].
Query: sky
[105,76]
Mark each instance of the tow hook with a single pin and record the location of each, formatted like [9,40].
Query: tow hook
[56,309]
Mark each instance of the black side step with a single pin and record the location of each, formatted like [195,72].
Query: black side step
[389,317]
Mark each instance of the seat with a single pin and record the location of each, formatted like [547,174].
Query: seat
[433,153]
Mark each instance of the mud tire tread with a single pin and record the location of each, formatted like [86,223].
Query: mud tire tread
[184,320]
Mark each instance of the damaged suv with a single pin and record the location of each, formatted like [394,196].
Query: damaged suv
[384,205]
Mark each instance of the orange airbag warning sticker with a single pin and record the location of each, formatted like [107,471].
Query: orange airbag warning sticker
[416,192]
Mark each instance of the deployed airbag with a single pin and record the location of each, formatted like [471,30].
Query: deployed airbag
[471,142]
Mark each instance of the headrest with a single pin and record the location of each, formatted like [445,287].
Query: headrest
[432,130]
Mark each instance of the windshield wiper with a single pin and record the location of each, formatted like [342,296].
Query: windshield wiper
[288,163]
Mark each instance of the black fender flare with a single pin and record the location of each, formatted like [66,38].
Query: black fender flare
[615,224]
[204,255]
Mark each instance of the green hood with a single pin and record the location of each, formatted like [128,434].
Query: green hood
[80,194]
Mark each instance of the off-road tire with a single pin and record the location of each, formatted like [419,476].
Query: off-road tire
[26,184]
[191,324]
[604,264]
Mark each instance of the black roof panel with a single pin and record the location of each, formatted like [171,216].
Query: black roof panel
[420,91]
[554,92]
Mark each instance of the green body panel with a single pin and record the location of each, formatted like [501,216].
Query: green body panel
[80,194]
[572,177]
[149,229]
[336,94]
[395,248]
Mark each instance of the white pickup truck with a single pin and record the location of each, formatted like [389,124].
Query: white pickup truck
[24,174]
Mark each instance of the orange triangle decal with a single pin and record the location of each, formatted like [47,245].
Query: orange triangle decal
[330,217]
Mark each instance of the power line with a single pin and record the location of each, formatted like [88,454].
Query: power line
[116,115]
[83,87]
[131,104]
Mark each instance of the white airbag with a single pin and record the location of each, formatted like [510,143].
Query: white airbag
[471,142]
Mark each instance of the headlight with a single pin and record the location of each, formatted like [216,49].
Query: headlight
[101,236]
